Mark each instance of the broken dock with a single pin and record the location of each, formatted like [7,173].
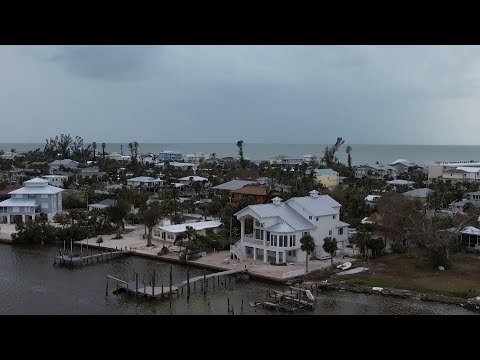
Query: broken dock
[81,258]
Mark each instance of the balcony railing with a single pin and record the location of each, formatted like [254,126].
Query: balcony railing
[249,239]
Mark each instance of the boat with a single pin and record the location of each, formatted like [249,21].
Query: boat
[345,266]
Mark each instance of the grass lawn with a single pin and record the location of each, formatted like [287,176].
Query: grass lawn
[415,272]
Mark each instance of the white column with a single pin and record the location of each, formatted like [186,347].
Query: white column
[264,255]
[284,256]
[242,228]
[23,218]
[277,253]
[254,253]
[8,218]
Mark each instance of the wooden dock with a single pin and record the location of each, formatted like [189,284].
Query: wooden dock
[151,290]
[291,301]
[81,258]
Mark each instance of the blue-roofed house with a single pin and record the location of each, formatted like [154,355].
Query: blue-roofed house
[327,177]
[170,155]
[279,226]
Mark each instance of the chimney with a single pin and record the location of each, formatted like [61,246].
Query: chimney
[276,200]
[314,193]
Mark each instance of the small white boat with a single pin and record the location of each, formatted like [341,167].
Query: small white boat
[345,266]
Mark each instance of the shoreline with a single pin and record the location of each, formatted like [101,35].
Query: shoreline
[470,304]
[197,265]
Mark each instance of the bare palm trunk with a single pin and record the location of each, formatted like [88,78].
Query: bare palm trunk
[331,260]
[306,263]
[119,229]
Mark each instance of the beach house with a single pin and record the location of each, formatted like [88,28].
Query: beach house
[146,182]
[170,232]
[56,180]
[29,201]
[272,232]
[55,166]
[170,155]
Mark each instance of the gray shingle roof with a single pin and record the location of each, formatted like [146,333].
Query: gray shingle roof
[418,193]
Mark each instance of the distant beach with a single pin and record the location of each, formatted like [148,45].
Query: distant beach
[361,154]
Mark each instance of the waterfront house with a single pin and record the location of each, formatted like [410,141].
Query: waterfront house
[36,197]
[442,169]
[327,177]
[55,166]
[145,182]
[461,174]
[170,155]
[457,207]
[56,180]
[272,232]
[17,174]
[197,158]
[255,194]
[170,232]
[102,204]
[148,159]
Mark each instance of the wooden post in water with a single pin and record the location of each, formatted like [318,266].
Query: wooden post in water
[188,284]
[204,285]
[136,284]
[87,246]
[162,291]
[228,305]
[71,245]
[81,249]
[153,285]
[144,286]
[242,305]
[170,292]
[106,289]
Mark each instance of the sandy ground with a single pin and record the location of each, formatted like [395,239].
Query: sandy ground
[6,231]
[133,240]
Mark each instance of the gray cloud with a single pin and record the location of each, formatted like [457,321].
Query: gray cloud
[290,94]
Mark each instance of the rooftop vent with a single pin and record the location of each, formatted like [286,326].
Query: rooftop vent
[277,200]
[314,193]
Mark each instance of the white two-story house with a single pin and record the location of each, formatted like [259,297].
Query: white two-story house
[29,201]
[275,230]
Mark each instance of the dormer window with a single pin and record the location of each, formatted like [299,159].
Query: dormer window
[309,218]
[316,218]
[334,217]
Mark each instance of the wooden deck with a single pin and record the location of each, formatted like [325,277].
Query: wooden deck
[210,276]
[80,259]
[147,291]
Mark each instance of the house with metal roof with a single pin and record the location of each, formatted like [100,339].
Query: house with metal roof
[375,171]
[34,198]
[146,182]
[233,185]
[275,229]
[102,204]
[54,166]
[418,193]
[170,232]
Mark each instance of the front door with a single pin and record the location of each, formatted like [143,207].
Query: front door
[268,236]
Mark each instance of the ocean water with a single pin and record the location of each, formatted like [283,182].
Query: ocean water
[361,154]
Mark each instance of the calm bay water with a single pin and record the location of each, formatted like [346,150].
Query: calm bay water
[361,154]
[31,284]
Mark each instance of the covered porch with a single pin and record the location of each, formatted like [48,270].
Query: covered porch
[471,238]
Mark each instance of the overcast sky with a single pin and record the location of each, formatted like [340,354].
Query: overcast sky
[261,94]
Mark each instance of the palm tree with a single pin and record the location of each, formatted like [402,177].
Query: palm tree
[330,246]
[130,146]
[121,149]
[308,245]
[150,217]
[117,213]
[135,148]
[348,150]
[189,234]
[94,147]
[240,153]
[103,149]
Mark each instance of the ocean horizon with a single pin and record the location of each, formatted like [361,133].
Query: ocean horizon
[361,153]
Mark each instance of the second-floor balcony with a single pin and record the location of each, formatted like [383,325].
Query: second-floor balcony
[249,239]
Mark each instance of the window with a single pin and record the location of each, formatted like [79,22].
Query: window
[330,232]
[257,223]
[316,218]
[340,231]
[334,217]
[44,205]
[305,233]
[309,218]
[280,241]
[257,233]
[285,241]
